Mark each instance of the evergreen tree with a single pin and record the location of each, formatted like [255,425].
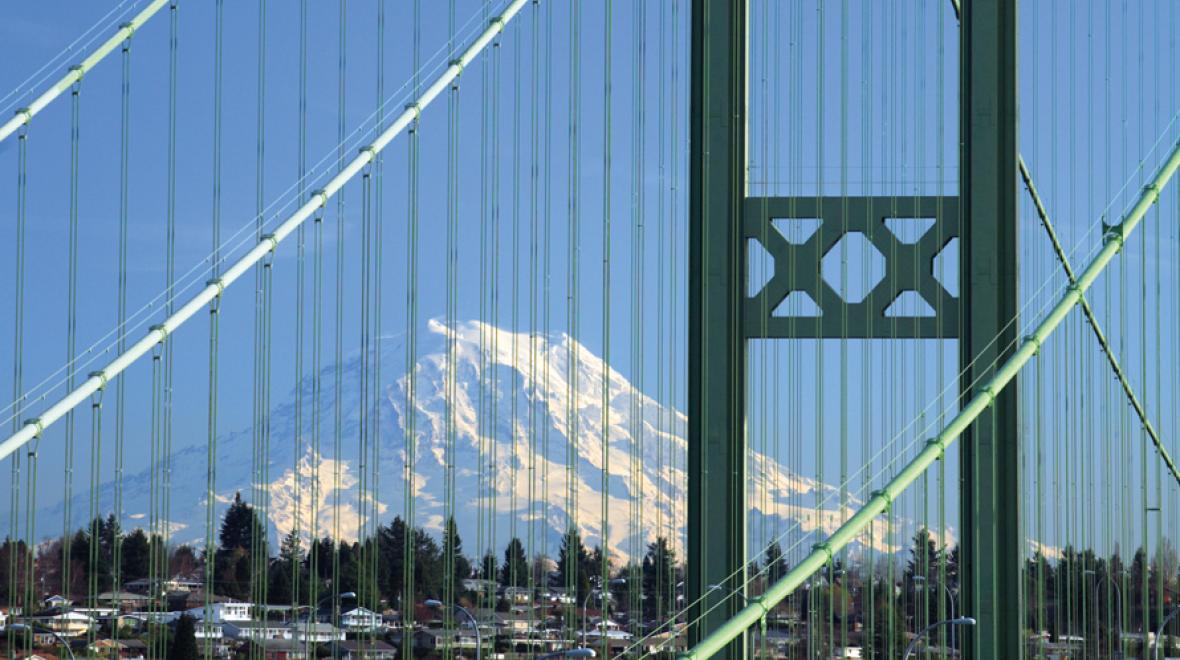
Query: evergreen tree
[488,568]
[776,564]
[136,553]
[391,550]
[427,566]
[453,547]
[660,576]
[515,571]
[184,641]
[240,529]
[573,562]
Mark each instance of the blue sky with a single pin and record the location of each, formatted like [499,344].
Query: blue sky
[1092,105]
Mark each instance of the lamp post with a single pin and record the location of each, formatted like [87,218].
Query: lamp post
[1159,634]
[950,597]
[1118,622]
[961,621]
[437,604]
[604,594]
[19,627]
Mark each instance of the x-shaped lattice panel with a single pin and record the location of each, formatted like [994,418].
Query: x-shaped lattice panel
[908,267]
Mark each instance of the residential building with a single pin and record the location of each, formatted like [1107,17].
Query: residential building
[255,630]
[56,601]
[317,633]
[360,619]
[281,649]
[67,624]
[357,649]
[222,612]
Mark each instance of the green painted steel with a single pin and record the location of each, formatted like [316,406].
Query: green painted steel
[266,245]
[25,115]
[991,547]
[1096,327]
[716,345]
[908,267]
[935,447]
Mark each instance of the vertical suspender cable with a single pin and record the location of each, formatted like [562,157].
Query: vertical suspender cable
[170,270]
[534,216]
[120,399]
[573,553]
[260,554]
[451,259]
[638,178]
[15,555]
[214,317]
[411,330]
[317,320]
[604,525]
[514,578]
[337,438]
[71,337]
[547,263]
[378,322]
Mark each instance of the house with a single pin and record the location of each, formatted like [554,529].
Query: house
[281,649]
[357,649]
[517,595]
[222,612]
[125,601]
[314,632]
[437,639]
[255,630]
[68,624]
[125,648]
[56,601]
[360,619]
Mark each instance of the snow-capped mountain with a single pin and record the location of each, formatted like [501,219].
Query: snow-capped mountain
[512,424]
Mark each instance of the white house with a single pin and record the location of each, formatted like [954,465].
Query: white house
[222,612]
[315,632]
[68,624]
[255,630]
[360,619]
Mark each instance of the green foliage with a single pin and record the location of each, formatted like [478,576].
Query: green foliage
[660,576]
[453,548]
[136,552]
[573,563]
[515,571]
[776,564]
[184,640]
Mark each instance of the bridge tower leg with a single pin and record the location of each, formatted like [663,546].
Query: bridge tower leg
[991,547]
[716,343]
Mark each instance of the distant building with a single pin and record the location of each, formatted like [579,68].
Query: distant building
[255,630]
[222,612]
[363,650]
[67,624]
[317,633]
[56,601]
[360,619]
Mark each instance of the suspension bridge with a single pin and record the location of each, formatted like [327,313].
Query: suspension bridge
[690,328]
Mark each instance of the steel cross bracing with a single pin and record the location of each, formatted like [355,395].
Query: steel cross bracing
[1113,240]
[214,288]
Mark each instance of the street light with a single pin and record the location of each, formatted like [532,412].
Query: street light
[1159,634]
[961,621]
[20,627]
[950,596]
[437,604]
[604,594]
[1118,622]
